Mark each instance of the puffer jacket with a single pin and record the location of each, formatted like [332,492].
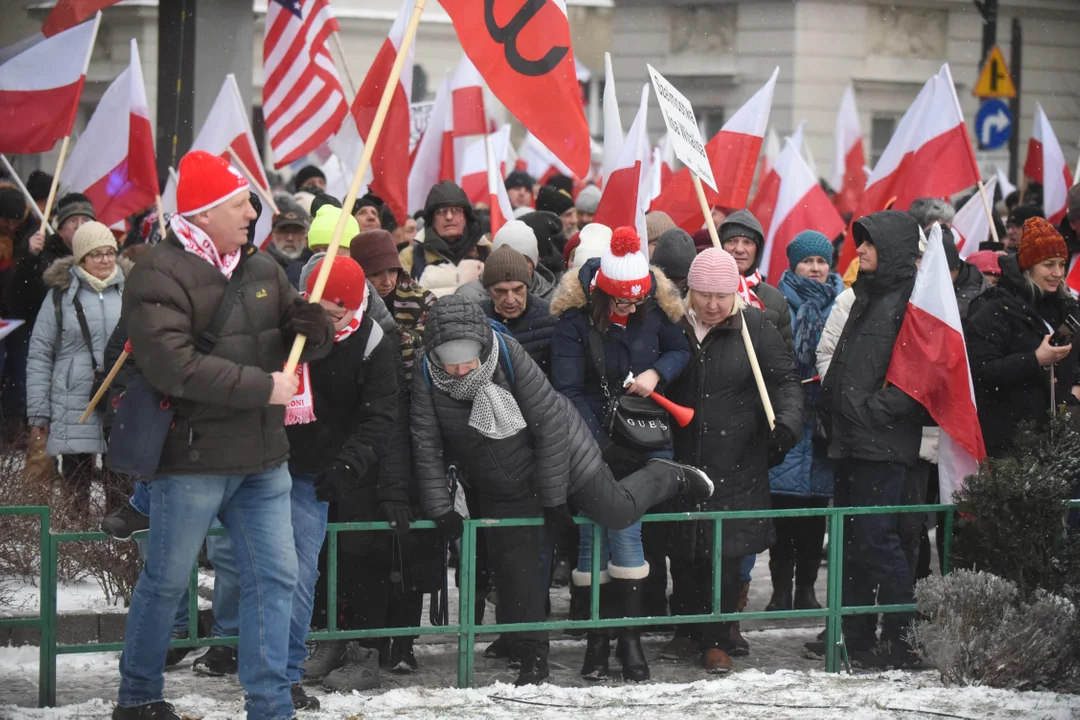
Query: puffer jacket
[657,343]
[867,420]
[60,378]
[776,310]
[550,459]
[1005,327]
[222,424]
[806,471]
[728,436]
[532,329]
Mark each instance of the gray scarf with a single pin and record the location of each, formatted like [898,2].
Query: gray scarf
[495,412]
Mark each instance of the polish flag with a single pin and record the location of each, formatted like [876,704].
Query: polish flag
[930,364]
[613,131]
[474,164]
[535,159]
[389,169]
[849,158]
[771,151]
[1007,188]
[621,202]
[763,206]
[971,225]
[40,89]
[733,154]
[227,129]
[113,163]
[524,53]
[498,201]
[663,166]
[433,160]
[929,155]
[801,204]
[66,14]
[1046,164]
[467,96]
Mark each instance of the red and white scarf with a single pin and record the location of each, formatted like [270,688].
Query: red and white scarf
[196,242]
[301,409]
[748,296]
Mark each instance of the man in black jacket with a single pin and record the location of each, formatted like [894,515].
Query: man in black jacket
[876,430]
[480,402]
[743,237]
[508,281]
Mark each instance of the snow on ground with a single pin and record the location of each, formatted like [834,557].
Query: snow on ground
[82,597]
[87,687]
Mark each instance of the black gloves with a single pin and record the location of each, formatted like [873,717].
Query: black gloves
[398,515]
[451,525]
[310,320]
[622,461]
[558,519]
[781,441]
[332,484]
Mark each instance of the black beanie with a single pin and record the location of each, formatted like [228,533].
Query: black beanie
[948,240]
[561,182]
[553,200]
[38,185]
[321,199]
[12,203]
[306,173]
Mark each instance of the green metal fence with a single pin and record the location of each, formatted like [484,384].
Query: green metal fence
[466,629]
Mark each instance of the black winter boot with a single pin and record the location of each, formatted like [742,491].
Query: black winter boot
[781,597]
[534,665]
[805,599]
[579,607]
[628,648]
[597,652]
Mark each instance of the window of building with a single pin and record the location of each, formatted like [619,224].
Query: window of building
[881,131]
[710,120]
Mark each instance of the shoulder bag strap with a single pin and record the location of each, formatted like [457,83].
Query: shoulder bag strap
[57,300]
[209,336]
[85,328]
[595,343]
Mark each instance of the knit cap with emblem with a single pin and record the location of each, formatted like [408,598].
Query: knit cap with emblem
[506,265]
[624,269]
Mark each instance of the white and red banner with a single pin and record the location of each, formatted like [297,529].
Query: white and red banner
[523,51]
[227,132]
[801,204]
[930,364]
[303,100]
[535,159]
[663,166]
[733,154]
[433,160]
[498,201]
[763,206]
[613,130]
[66,14]
[40,89]
[849,157]
[475,179]
[467,96]
[971,226]
[1046,164]
[113,162]
[623,199]
[389,171]
[1007,188]
[929,155]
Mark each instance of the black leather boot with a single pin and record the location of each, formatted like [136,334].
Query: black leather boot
[781,597]
[628,648]
[598,642]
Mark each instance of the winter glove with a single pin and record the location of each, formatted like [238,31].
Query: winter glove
[451,525]
[622,461]
[558,519]
[781,441]
[332,484]
[398,515]
[310,320]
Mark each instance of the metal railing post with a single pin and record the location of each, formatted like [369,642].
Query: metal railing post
[834,593]
[466,601]
[594,573]
[331,580]
[47,613]
[717,563]
[946,546]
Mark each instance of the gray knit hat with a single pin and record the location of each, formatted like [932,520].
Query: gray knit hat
[674,252]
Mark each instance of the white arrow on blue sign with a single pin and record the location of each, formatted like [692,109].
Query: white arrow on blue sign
[993,124]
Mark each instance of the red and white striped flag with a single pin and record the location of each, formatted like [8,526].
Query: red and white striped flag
[498,201]
[303,101]
[801,204]
[473,165]
[40,89]
[623,199]
[113,163]
[389,171]
[849,158]
[1046,164]
[971,226]
[433,161]
[763,206]
[930,364]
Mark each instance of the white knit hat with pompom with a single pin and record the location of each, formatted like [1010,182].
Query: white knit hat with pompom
[624,269]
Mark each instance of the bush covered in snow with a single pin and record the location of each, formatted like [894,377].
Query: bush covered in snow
[980,630]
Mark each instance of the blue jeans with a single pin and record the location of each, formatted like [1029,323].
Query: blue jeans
[255,511]
[226,575]
[747,567]
[309,531]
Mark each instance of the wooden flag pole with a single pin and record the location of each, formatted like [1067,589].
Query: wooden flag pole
[161,216]
[358,176]
[263,193]
[26,193]
[56,178]
[989,211]
[751,354]
[104,386]
[344,65]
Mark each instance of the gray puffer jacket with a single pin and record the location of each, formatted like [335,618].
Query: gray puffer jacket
[60,376]
[549,460]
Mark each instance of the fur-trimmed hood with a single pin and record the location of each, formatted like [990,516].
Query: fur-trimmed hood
[62,272]
[571,292]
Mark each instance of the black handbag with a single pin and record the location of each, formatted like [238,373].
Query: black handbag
[144,414]
[633,422]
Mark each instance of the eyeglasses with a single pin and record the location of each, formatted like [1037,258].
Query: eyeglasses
[619,302]
[451,210]
[102,255]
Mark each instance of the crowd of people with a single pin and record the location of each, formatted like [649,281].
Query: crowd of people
[452,372]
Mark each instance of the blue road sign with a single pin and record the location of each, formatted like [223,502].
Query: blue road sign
[993,124]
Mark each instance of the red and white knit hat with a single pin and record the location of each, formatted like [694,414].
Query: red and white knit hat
[624,269]
[206,180]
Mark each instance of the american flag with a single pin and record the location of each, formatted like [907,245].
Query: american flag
[302,97]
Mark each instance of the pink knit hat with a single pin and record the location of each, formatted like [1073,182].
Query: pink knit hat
[624,269]
[713,271]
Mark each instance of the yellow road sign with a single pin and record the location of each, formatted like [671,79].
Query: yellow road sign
[995,80]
